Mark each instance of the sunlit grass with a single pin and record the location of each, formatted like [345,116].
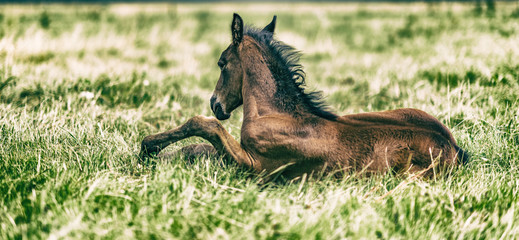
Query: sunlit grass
[81,86]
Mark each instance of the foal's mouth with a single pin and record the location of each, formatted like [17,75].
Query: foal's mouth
[219,113]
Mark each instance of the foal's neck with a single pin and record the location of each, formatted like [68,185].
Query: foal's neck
[258,92]
[263,94]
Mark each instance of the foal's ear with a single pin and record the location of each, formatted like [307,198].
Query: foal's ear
[271,26]
[237,29]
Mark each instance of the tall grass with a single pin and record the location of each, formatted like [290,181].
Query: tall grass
[80,87]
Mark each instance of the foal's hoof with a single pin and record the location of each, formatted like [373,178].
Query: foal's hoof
[143,157]
[147,151]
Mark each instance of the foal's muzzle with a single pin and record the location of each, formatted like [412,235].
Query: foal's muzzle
[217,108]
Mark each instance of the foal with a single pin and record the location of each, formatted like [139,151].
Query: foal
[283,126]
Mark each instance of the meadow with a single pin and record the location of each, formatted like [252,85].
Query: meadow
[82,85]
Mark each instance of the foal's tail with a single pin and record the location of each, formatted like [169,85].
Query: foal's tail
[463,157]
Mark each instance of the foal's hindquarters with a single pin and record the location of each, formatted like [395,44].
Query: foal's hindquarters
[402,140]
[397,149]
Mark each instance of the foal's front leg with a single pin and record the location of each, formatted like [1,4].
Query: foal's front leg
[206,127]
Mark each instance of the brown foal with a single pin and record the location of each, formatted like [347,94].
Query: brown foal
[284,126]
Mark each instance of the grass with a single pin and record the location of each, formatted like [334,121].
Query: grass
[81,86]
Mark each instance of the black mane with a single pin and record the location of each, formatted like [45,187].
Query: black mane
[290,75]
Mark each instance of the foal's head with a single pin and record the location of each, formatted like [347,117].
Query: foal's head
[227,94]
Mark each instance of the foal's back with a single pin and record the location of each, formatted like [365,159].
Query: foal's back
[408,117]
[401,140]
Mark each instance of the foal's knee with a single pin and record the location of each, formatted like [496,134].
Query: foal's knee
[202,124]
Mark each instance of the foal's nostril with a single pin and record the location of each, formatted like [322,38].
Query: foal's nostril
[211,101]
[217,108]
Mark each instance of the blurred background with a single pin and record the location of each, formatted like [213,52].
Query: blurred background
[364,56]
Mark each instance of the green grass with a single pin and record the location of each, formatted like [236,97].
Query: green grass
[81,86]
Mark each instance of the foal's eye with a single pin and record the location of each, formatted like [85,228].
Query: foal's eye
[221,63]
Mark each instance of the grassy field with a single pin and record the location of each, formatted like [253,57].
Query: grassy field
[81,86]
